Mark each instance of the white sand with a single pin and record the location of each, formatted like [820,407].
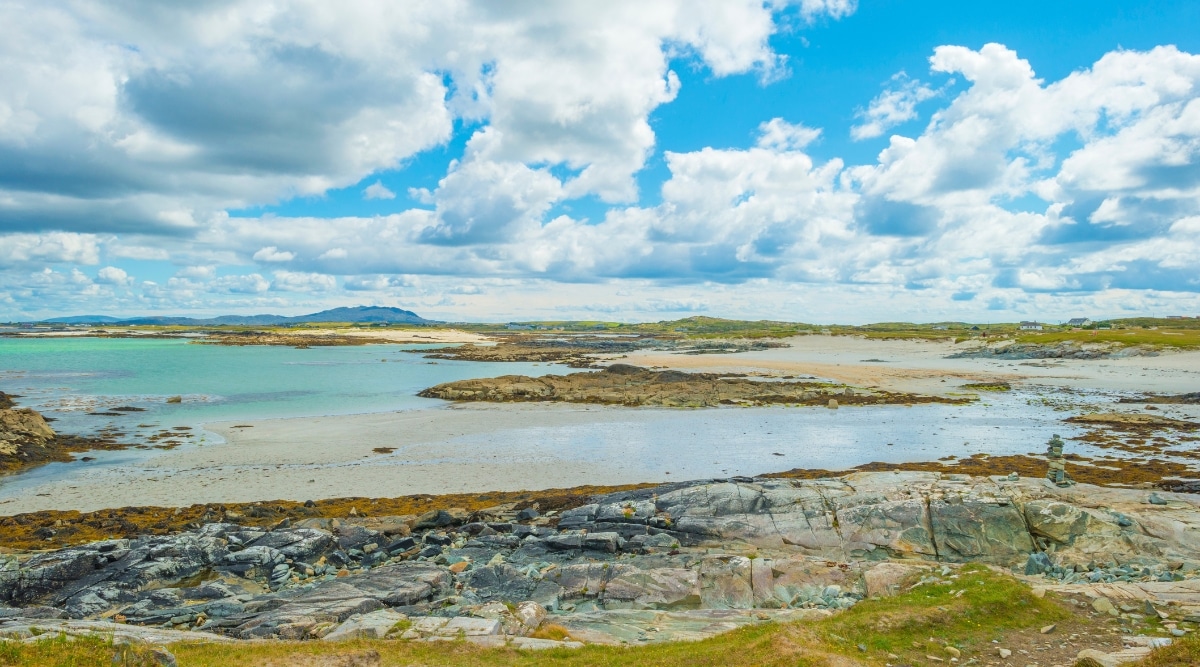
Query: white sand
[329,457]
[321,457]
[921,366]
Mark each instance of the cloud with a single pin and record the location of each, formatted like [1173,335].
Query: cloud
[50,247]
[778,134]
[896,105]
[1014,192]
[836,9]
[111,275]
[197,272]
[273,254]
[121,118]
[240,284]
[377,190]
[292,281]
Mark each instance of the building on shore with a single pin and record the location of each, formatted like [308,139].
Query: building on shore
[1031,326]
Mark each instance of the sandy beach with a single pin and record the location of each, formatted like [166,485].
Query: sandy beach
[501,447]
[922,367]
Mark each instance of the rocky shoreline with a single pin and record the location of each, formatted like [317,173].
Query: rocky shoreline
[27,440]
[680,561]
[622,384]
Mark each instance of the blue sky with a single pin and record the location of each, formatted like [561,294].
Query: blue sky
[819,160]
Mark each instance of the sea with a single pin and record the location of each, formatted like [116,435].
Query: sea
[88,386]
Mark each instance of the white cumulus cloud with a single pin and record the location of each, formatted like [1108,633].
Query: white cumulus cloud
[378,190]
[896,105]
[111,275]
[273,254]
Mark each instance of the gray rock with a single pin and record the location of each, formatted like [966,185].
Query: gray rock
[725,583]
[441,519]
[1038,563]
[564,542]
[606,542]
[300,544]
[372,625]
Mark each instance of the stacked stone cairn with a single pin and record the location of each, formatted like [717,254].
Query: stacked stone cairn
[1056,470]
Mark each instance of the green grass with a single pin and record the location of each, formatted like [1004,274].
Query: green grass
[989,604]
[1163,337]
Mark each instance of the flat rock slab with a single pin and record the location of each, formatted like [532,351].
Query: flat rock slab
[624,627]
[31,629]
[1183,597]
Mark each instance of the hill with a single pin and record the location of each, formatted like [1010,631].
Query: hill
[357,314]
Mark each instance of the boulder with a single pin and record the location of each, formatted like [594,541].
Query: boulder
[530,614]
[372,625]
[22,425]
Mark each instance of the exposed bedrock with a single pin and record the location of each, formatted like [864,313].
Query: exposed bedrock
[688,553]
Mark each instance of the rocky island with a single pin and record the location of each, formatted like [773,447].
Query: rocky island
[622,384]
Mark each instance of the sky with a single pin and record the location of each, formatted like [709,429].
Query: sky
[811,160]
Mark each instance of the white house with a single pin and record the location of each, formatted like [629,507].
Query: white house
[1031,326]
[1078,322]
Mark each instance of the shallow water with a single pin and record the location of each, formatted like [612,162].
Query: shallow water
[68,378]
[717,442]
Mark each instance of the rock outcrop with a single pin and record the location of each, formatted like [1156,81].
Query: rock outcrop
[622,384]
[1063,350]
[690,555]
[25,437]
[26,440]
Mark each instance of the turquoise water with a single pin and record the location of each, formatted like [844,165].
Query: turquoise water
[68,378]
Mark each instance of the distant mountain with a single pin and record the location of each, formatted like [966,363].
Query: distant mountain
[358,314]
[83,319]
